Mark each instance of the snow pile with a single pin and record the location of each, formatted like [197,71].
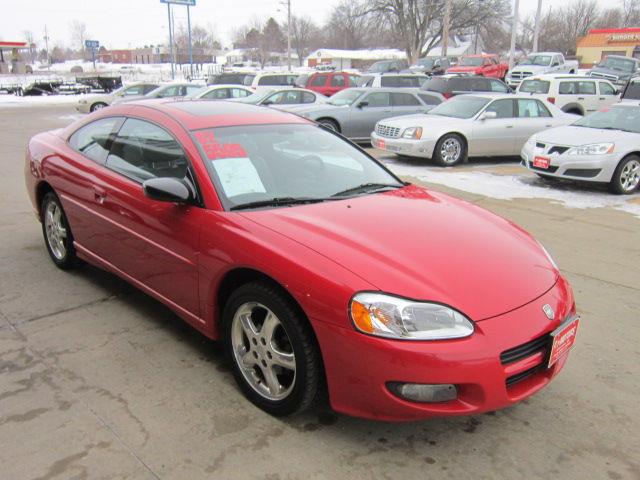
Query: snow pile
[508,187]
[375,54]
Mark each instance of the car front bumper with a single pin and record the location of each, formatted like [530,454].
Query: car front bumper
[359,367]
[590,168]
[403,146]
[83,107]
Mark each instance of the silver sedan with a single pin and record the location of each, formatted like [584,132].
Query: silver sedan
[284,98]
[601,147]
[469,126]
[355,111]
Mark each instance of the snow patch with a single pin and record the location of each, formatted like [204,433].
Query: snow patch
[509,187]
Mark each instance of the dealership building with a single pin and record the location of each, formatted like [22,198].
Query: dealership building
[602,42]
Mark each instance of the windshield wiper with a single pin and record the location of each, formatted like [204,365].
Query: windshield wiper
[278,202]
[365,187]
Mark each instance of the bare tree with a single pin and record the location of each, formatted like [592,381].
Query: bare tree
[350,26]
[304,34]
[79,34]
[631,13]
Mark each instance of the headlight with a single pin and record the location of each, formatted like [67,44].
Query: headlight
[393,317]
[592,149]
[412,132]
[549,257]
[531,142]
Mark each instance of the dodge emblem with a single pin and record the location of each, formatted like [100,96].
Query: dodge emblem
[548,311]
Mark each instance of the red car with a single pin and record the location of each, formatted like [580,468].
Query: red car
[317,267]
[485,65]
[328,83]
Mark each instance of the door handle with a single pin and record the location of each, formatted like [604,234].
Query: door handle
[602,98]
[509,126]
[580,98]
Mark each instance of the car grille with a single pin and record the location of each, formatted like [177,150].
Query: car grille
[525,350]
[558,150]
[520,75]
[582,172]
[613,78]
[387,131]
[537,345]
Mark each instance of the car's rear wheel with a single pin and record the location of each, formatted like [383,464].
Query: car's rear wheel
[450,150]
[97,106]
[57,233]
[626,177]
[271,347]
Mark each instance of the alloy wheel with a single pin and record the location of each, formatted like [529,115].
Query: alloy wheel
[630,176]
[55,230]
[450,150]
[263,351]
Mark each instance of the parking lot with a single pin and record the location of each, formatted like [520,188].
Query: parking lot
[97,380]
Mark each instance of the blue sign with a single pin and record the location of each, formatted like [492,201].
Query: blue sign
[189,3]
[92,44]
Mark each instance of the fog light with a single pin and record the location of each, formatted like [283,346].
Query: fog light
[423,393]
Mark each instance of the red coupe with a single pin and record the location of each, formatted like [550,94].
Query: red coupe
[318,268]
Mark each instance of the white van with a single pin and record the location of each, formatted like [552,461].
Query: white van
[273,79]
[573,94]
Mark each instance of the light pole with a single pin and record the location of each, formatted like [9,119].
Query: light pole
[514,29]
[445,27]
[288,4]
[536,28]
[173,73]
[190,47]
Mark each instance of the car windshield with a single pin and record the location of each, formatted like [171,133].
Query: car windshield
[257,97]
[621,64]
[463,106]
[279,165]
[622,118]
[539,60]
[534,86]
[632,91]
[471,62]
[425,62]
[379,67]
[345,97]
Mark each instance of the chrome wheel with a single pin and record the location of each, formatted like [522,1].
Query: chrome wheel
[97,106]
[55,229]
[630,176]
[263,351]
[450,150]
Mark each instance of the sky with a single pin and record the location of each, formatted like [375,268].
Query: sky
[132,23]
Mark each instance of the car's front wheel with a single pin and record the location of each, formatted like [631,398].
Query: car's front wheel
[57,233]
[626,177]
[274,355]
[450,150]
[97,106]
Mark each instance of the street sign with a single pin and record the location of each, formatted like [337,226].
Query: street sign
[93,44]
[189,3]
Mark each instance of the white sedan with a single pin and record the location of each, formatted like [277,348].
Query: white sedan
[221,92]
[602,147]
[484,125]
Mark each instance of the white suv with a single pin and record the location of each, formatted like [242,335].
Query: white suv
[573,94]
[273,79]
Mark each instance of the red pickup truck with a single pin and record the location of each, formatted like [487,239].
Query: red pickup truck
[485,65]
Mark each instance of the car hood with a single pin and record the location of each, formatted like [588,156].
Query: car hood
[611,71]
[423,245]
[572,136]
[461,68]
[529,68]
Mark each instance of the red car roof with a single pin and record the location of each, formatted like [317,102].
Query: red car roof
[197,114]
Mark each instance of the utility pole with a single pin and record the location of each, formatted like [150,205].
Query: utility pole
[46,45]
[514,31]
[289,35]
[190,47]
[445,27]
[536,28]
[173,73]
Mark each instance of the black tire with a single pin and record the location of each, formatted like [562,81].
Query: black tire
[617,185]
[575,111]
[97,106]
[455,139]
[68,259]
[308,380]
[330,124]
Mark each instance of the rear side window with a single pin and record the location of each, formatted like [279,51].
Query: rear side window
[272,80]
[587,88]
[404,100]
[532,108]
[498,86]
[365,81]
[568,88]
[395,81]
[142,150]
[429,99]
[239,93]
[436,85]
[632,92]
[308,97]
[535,86]
[148,88]
[337,81]
[94,140]
[479,85]
[353,80]
[319,81]
[217,94]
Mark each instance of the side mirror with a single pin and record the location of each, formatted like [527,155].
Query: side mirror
[362,104]
[266,103]
[167,189]
[488,116]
